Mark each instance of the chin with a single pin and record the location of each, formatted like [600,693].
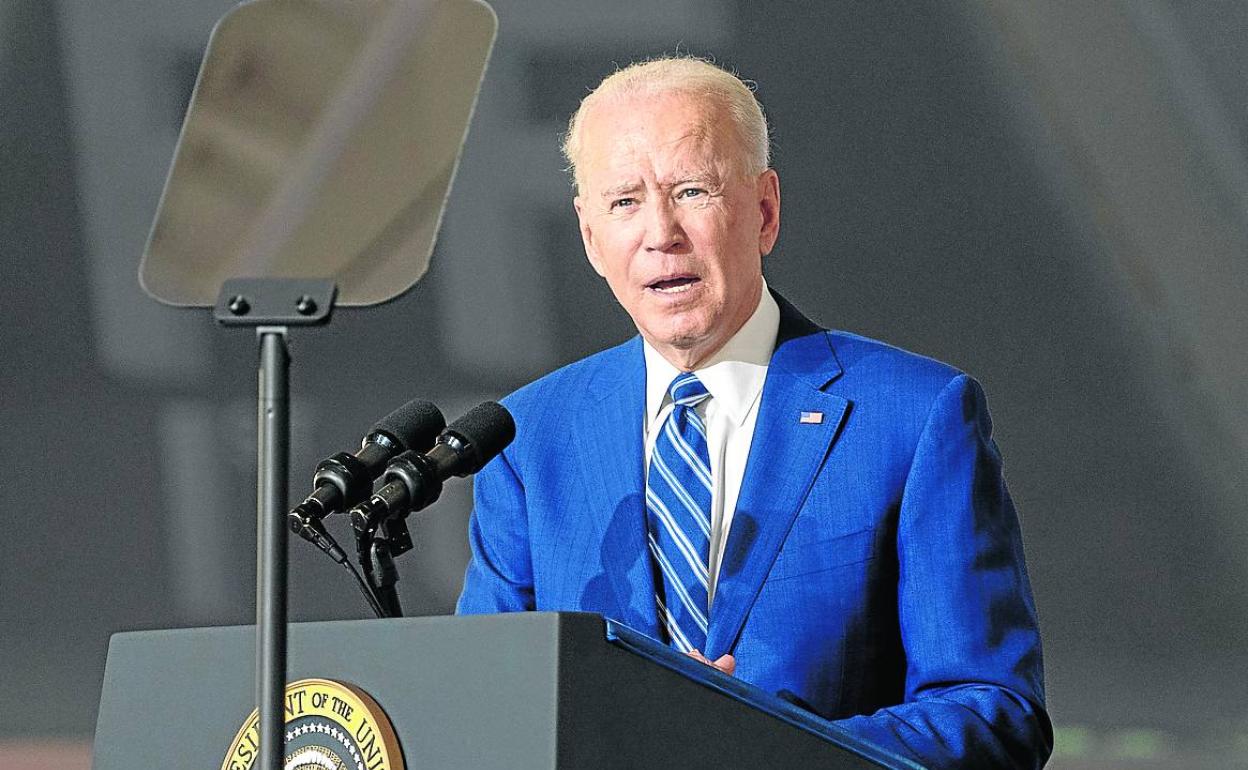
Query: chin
[682,336]
[691,344]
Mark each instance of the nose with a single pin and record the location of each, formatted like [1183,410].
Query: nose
[663,230]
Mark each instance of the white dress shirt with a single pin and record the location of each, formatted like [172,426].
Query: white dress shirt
[734,377]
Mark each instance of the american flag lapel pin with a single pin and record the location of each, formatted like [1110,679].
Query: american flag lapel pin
[811,418]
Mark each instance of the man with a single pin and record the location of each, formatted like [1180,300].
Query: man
[820,514]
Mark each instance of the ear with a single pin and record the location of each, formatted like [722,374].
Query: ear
[768,194]
[587,236]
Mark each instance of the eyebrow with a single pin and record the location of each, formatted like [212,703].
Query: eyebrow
[621,189]
[707,178]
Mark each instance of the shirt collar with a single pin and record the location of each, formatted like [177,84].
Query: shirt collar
[734,376]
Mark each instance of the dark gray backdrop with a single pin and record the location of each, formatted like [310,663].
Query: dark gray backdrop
[1052,198]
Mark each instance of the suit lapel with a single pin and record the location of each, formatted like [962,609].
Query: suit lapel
[608,429]
[786,453]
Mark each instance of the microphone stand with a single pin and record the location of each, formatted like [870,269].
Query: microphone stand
[375,549]
[387,576]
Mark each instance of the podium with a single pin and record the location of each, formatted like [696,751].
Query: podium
[514,691]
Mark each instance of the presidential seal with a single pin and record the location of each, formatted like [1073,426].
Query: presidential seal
[329,726]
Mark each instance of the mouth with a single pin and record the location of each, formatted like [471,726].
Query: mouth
[674,284]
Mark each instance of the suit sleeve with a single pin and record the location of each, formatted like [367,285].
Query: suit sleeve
[974,689]
[500,573]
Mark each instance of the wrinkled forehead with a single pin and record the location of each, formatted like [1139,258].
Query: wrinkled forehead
[666,135]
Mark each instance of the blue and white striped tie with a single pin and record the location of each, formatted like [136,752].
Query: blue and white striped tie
[678,516]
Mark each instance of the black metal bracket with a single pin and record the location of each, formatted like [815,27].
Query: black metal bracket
[397,536]
[275,301]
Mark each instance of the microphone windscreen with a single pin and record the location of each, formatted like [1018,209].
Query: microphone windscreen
[415,425]
[487,428]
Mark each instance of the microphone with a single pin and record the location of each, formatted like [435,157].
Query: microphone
[413,480]
[345,479]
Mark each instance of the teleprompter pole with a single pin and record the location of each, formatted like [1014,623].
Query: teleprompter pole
[273,450]
[269,305]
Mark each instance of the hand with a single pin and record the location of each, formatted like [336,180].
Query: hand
[725,663]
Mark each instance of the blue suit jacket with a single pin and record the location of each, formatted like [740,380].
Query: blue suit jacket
[874,569]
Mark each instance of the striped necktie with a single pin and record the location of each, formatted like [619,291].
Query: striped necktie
[678,516]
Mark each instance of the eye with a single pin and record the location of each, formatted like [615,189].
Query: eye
[691,192]
[623,203]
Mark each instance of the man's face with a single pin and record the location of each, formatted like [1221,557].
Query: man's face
[672,222]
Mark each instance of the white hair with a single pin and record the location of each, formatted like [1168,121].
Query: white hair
[683,75]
